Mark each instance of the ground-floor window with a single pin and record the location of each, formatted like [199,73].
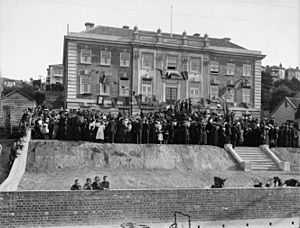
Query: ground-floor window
[146,89]
[171,95]
[213,91]
[194,89]
[246,95]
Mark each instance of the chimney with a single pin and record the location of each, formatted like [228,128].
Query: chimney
[89,25]
[125,27]
[227,39]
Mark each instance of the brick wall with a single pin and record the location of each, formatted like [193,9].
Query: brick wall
[37,208]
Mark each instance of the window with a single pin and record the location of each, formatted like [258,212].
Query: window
[85,84]
[171,62]
[104,89]
[194,89]
[214,67]
[247,70]
[147,60]
[124,59]
[231,96]
[246,95]
[285,104]
[124,87]
[171,95]
[105,58]
[230,68]
[146,89]
[214,91]
[86,56]
[195,64]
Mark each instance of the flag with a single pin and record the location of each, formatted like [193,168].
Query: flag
[185,75]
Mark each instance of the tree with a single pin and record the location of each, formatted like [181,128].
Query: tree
[267,84]
[39,97]
[278,94]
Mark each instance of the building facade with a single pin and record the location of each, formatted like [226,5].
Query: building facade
[276,72]
[55,74]
[12,106]
[292,73]
[121,68]
[286,110]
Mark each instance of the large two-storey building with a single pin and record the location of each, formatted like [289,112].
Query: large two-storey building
[118,69]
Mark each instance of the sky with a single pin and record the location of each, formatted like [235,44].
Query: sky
[32,31]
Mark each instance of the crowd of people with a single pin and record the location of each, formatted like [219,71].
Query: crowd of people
[168,126]
[88,185]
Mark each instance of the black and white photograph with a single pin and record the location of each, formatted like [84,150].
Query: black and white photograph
[149,113]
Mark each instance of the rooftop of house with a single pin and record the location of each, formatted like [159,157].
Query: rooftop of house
[295,101]
[125,32]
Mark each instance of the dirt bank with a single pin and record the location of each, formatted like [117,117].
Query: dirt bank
[53,165]
[48,156]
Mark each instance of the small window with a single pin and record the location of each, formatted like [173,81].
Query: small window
[85,84]
[124,87]
[124,59]
[246,95]
[105,58]
[104,89]
[214,67]
[195,64]
[194,89]
[247,70]
[230,96]
[230,69]
[147,60]
[86,56]
[146,89]
[171,62]
[285,104]
[214,91]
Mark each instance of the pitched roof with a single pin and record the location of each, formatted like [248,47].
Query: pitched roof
[18,91]
[295,101]
[128,33]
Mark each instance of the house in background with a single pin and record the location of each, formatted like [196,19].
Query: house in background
[291,73]
[286,110]
[55,74]
[12,106]
[276,72]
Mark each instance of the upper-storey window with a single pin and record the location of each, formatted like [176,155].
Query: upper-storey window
[195,64]
[86,56]
[230,69]
[105,58]
[147,60]
[247,70]
[171,62]
[214,67]
[124,59]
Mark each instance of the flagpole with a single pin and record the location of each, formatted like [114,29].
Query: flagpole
[171,25]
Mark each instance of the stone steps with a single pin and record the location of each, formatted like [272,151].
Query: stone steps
[257,158]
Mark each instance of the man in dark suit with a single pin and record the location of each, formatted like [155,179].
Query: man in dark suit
[112,130]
